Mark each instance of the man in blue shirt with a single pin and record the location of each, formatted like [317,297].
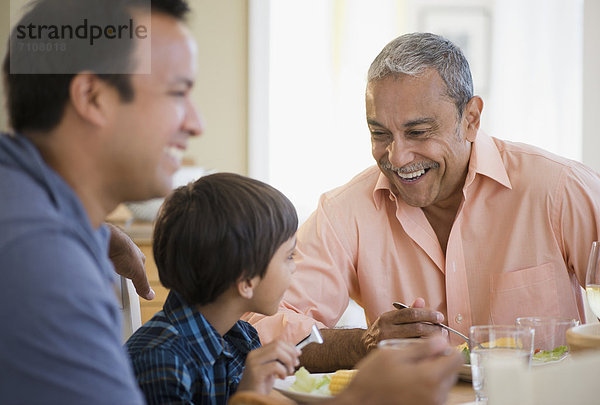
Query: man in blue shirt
[96,121]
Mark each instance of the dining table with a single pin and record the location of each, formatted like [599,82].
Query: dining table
[570,381]
[461,393]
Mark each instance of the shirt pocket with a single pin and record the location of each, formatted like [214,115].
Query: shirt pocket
[526,292]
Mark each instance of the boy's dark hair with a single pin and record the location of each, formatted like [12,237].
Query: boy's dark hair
[36,100]
[219,230]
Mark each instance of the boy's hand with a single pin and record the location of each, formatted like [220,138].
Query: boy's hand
[277,359]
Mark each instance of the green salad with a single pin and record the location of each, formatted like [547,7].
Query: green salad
[540,356]
[555,354]
[310,384]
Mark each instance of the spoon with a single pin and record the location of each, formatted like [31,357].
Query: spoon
[399,305]
[314,337]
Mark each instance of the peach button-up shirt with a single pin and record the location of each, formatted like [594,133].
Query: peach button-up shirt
[518,246]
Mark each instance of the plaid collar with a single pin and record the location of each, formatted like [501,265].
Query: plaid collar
[202,337]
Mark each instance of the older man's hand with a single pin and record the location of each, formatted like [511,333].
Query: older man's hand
[403,323]
[129,261]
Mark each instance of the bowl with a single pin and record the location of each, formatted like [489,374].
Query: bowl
[145,210]
[584,337]
[550,340]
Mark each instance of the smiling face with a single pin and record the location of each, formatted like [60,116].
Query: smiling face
[150,133]
[417,139]
[270,289]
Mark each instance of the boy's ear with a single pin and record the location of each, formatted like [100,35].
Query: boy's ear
[246,287]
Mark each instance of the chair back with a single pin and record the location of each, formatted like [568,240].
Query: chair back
[129,303]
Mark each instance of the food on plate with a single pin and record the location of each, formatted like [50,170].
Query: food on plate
[550,355]
[323,384]
[310,384]
[500,342]
[507,342]
[340,380]
[464,349]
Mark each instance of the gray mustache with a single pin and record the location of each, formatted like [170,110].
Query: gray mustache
[410,168]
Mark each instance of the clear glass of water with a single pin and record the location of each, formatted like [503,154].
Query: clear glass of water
[495,342]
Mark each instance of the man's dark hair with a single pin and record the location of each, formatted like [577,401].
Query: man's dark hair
[219,230]
[36,100]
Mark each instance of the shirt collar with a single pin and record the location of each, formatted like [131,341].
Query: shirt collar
[382,190]
[201,335]
[485,160]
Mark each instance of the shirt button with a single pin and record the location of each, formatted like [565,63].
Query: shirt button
[458,318]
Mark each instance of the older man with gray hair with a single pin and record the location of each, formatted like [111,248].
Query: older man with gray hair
[468,228]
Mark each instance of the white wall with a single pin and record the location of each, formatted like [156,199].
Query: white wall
[527,61]
[591,94]
[591,83]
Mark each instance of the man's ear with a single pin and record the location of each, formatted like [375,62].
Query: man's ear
[472,117]
[91,97]
[246,286]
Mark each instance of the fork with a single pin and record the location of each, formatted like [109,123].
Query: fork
[399,305]
[314,337]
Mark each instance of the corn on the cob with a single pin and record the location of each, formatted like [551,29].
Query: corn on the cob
[340,380]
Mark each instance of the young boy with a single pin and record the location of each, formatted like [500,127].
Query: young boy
[224,245]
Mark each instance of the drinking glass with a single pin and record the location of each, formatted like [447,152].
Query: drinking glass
[497,343]
[592,279]
[550,340]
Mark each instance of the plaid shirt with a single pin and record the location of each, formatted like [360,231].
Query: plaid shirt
[178,357]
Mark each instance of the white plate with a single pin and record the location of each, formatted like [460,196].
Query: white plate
[465,373]
[284,385]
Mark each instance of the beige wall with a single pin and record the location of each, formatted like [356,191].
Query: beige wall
[220,27]
[4,30]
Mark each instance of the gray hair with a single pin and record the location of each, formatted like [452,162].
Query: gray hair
[411,54]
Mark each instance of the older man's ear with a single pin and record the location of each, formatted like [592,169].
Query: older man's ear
[472,117]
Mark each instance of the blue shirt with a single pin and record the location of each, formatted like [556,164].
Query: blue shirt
[179,357]
[60,326]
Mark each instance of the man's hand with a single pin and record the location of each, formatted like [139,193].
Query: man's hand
[420,374]
[403,323]
[129,261]
[343,348]
[277,359]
